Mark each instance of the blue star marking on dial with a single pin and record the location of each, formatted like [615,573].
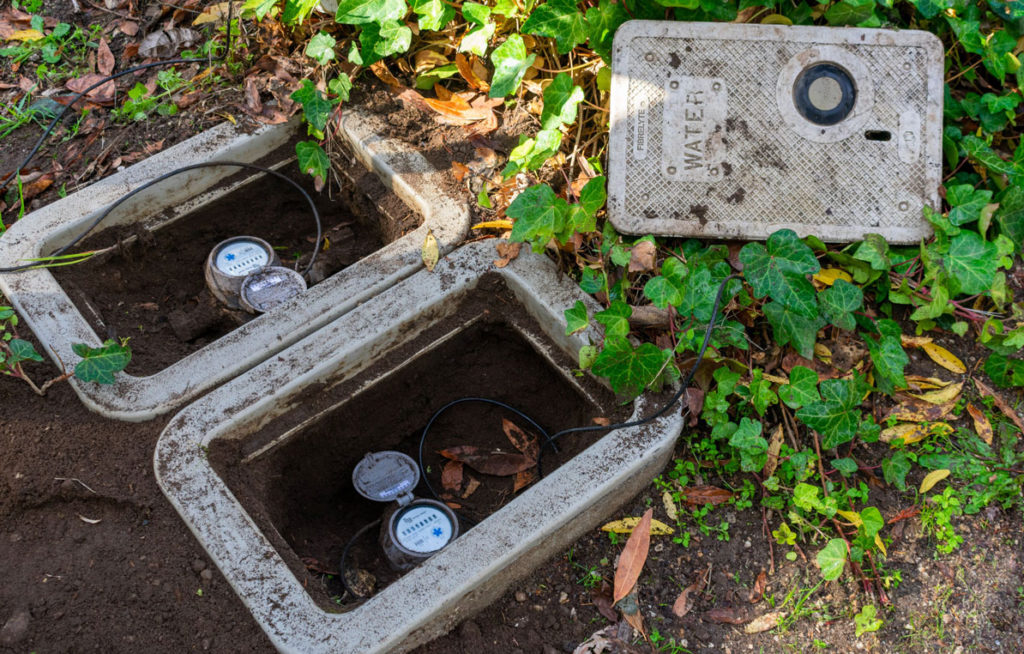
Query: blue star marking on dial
[437,531]
[229,256]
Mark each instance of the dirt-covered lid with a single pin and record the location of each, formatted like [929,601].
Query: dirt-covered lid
[386,477]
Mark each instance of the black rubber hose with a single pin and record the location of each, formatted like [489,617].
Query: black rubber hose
[206,164]
[344,557]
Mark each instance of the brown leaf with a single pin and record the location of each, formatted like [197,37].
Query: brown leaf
[129,28]
[460,170]
[103,94]
[913,410]
[641,257]
[764,622]
[635,620]
[35,187]
[451,476]
[457,112]
[507,251]
[428,60]
[981,424]
[524,479]
[825,371]
[104,58]
[466,70]
[164,44]
[701,495]
[602,599]
[757,592]
[500,464]
[695,404]
[253,104]
[633,557]
[604,422]
[726,615]
[682,605]
[1000,404]
[774,446]
[471,486]
[528,444]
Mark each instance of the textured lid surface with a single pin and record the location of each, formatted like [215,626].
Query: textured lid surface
[271,286]
[385,476]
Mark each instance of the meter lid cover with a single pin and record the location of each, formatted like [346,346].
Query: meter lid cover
[265,289]
[386,476]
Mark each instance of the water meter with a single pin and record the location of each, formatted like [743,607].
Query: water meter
[412,529]
[245,273]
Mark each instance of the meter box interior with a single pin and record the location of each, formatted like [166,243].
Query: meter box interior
[736,131]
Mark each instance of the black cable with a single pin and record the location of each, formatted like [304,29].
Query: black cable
[344,556]
[550,439]
[108,78]
[206,164]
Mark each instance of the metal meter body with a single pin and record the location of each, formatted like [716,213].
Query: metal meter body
[245,273]
[739,130]
[412,529]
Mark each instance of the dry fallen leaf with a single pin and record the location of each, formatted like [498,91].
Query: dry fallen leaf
[682,605]
[911,432]
[941,396]
[528,444]
[451,476]
[757,592]
[104,58]
[774,446]
[471,486]
[917,382]
[602,599]
[466,69]
[164,44]
[507,251]
[912,410]
[494,224]
[633,557]
[944,358]
[628,525]
[497,463]
[429,251]
[932,478]
[914,341]
[1000,404]
[26,35]
[726,615]
[102,94]
[670,506]
[641,257]
[764,622]
[426,60]
[524,479]
[828,276]
[981,424]
[701,495]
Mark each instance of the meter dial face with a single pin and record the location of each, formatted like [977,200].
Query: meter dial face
[241,257]
[422,528]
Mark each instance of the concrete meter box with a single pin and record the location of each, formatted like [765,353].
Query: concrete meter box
[736,131]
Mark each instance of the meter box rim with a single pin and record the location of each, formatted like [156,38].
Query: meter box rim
[763,165]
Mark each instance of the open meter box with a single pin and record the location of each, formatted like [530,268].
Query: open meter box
[736,131]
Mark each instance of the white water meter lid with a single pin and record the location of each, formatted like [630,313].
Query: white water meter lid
[240,256]
[265,289]
[422,527]
[386,477]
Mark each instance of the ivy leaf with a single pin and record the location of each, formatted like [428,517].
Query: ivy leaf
[834,417]
[832,558]
[1010,215]
[366,12]
[971,263]
[752,446]
[315,107]
[576,318]
[845,466]
[602,22]
[321,48]
[615,318]
[1005,372]
[380,40]
[966,203]
[790,327]
[340,86]
[839,301]
[21,350]
[510,63]
[888,356]
[296,11]
[779,269]
[561,100]
[259,8]
[539,215]
[802,388]
[560,20]
[475,12]
[592,196]
[865,621]
[432,15]
[629,371]
[895,470]
[99,364]
[476,40]
[875,251]
[312,159]
[873,521]
[761,394]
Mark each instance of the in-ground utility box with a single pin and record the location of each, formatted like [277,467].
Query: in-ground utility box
[736,131]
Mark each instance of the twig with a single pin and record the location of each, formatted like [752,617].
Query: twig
[75,479]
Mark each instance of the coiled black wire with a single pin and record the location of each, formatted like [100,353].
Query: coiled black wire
[127,71]
[344,557]
[206,164]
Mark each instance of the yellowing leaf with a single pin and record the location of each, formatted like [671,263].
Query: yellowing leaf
[26,35]
[880,545]
[947,394]
[774,447]
[494,224]
[944,358]
[918,382]
[670,506]
[981,424]
[914,341]
[627,525]
[918,411]
[823,353]
[217,13]
[828,276]
[932,478]
[775,379]
[911,433]
[852,516]
[429,251]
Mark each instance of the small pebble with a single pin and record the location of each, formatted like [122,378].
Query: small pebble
[520,596]
[563,598]
[206,575]
[15,629]
[746,544]
[198,566]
